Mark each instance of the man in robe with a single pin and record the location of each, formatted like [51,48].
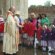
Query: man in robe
[10,40]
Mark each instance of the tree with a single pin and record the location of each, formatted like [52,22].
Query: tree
[33,6]
[48,3]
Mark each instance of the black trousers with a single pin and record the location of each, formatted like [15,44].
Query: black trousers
[9,54]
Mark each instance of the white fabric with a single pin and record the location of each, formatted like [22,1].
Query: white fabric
[44,48]
[43,43]
[10,40]
[51,44]
[1,19]
[36,41]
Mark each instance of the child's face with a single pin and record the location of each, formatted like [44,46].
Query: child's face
[25,21]
[44,27]
[43,16]
[39,25]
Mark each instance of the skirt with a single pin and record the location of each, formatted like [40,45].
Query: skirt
[51,43]
[43,43]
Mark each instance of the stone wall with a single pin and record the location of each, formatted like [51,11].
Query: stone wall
[21,5]
[50,11]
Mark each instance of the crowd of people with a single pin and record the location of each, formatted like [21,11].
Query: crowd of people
[18,31]
[44,29]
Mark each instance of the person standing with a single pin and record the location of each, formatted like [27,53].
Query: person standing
[19,25]
[51,39]
[32,26]
[44,38]
[10,40]
[44,20]
[32,18]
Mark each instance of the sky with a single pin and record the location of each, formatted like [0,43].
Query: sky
[39,2]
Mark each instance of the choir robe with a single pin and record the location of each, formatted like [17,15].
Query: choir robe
[39,30]
[51,40]
[45,35]
[53,34]
[25,28]
[10,40]
[31,29]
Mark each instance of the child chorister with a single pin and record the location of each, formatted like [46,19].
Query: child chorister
[44,38]
[39,30]
[28,32]
[31,29]
[25,32]
[53,34]
[51,40]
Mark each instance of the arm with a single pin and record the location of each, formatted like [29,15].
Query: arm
[17,22]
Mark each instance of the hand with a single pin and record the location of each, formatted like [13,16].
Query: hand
[22,26]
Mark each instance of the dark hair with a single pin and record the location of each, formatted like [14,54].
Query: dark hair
[10,9]
[44,15]
[29,19]
[40,17]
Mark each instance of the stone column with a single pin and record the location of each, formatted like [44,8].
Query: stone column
[18,5]
[24,8]
[0,4]
[21,5]
[10,3]
[4,7]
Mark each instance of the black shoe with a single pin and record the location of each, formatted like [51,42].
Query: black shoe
[51,51]
[15,54]
[8,54]
[4,54]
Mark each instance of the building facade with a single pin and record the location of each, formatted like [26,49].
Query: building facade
[50,11]
[21,5]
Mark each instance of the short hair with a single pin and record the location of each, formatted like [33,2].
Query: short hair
[40,17]
[11,8]
[44,14]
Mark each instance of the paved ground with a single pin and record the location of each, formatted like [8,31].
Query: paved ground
[26,51]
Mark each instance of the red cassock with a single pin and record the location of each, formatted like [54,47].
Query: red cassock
[31,29]
[25,28]
[1,25]
[39,30]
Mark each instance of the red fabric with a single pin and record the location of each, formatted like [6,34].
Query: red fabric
[34,21]
[48,30]
[39,30]
[25,28]
[1,27]
[1,24]
[31,29]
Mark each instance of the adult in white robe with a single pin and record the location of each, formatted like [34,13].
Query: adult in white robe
[10,40]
